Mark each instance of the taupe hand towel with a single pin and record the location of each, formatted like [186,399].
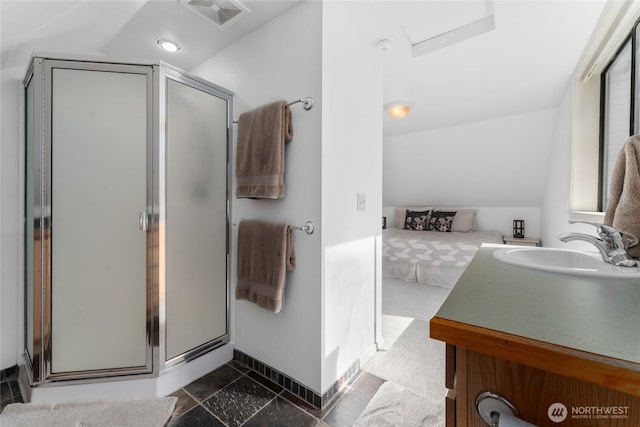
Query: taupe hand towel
[262,133]
[623,205]
[265,254]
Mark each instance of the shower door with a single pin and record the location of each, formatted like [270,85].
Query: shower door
[193,216]
[88,207]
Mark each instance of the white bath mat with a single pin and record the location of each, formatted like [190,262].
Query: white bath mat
[394,405]
[134,412]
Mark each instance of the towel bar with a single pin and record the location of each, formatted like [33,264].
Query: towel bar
[308,227]
[308,104]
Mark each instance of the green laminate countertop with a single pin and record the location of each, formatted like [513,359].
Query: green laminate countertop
[589,314]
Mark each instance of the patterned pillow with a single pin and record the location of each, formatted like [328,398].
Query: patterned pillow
[441,221]
[401,212]
[416,220]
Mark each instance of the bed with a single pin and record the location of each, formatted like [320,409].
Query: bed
[432,245]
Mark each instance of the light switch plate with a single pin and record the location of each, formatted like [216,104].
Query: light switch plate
[362,202]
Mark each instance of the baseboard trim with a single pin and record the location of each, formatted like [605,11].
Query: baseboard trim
[309,396]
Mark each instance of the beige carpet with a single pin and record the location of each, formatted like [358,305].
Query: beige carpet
[408,356]
[135,412]
[394,405]
[412,360]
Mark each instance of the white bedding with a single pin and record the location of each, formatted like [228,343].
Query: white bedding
[431,257]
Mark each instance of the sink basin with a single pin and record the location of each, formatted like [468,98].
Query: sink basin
[565,261]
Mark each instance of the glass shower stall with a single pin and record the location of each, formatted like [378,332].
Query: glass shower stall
[126,219]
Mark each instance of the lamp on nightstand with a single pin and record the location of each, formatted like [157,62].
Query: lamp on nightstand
[518,228]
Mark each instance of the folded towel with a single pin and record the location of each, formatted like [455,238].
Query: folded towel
[265,254]
[623,205]
[262,133]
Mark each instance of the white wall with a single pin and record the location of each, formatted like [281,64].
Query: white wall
[327,323]
[556,202]
[282,60]
[493,163]
[11,299]
[351,164]
[557,190]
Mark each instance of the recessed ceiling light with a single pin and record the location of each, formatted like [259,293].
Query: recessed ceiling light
[168,45]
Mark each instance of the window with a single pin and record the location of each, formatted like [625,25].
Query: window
[620,106]
[617,125]
[605,108]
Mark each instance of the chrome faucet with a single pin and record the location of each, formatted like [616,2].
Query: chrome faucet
[609,243]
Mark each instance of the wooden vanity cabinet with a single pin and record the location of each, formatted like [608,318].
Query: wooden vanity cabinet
[533,390]
[541,340]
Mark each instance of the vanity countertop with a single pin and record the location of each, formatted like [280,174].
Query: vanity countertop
[582,327]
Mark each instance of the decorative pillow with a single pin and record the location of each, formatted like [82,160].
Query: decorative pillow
[464,221]
[400,217]
[402,212]
[441,221]
[459,220]
[416,220]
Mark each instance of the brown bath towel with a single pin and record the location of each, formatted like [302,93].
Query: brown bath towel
[262,133]
[265,254]
[623,205]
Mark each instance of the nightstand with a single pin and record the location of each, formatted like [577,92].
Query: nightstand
[525,241]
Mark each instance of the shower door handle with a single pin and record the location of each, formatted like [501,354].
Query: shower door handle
[143,221]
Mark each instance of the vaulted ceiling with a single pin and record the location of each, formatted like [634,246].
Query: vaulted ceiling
[522,64]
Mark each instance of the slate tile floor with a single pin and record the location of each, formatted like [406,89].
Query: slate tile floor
[9,387]
[233,395]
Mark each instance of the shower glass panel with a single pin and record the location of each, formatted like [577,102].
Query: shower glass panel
[32,229]
[98,188]
[196,216]
[126,219]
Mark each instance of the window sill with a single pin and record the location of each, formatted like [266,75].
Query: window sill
[586,216]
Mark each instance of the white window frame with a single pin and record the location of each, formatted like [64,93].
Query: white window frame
[613,28]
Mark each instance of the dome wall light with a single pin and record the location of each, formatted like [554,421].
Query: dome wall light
[398,109]
[168,45]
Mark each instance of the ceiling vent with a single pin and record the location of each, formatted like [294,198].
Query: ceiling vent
[221,13]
